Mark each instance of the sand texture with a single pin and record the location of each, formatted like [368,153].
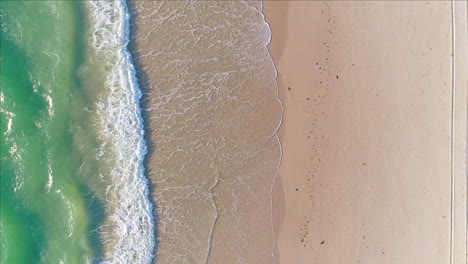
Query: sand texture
[212,112]
[374,131]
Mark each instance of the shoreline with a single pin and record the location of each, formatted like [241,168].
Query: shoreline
[121,115]
[145,89]
[276,188]
[193,103]
[277,191]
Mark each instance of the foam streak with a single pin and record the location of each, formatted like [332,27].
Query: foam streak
[120,114]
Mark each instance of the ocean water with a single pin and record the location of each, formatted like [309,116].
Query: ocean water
[73,188]
[137,132]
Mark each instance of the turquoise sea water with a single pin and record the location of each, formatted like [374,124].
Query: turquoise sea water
[72,182]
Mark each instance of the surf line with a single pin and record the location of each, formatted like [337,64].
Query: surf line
[133,233]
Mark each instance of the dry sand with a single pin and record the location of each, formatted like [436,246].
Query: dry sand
[373,168]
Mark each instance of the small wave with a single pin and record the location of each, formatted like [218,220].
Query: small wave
[71,212]
[50,179]
[131,217]
[8,115]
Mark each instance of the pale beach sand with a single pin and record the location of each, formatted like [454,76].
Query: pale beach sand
[373,133]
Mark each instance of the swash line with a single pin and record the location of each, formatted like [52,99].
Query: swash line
[210,242]
[276,135]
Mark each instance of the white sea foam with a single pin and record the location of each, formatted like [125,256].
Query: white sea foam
[70,210]
[9,116]
[50,180]
[130,209]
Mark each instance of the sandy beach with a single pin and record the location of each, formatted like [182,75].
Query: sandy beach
[373,133]
[234,132]
[212,112]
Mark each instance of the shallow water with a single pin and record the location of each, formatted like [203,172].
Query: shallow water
[73,144]
[212,109]
[73,185]
[44,209]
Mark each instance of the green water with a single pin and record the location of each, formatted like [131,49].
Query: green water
[49,213]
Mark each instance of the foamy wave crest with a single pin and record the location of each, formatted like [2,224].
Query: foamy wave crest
[132,239]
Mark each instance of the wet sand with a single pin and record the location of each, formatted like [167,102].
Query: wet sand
[212,113]
[373,167]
